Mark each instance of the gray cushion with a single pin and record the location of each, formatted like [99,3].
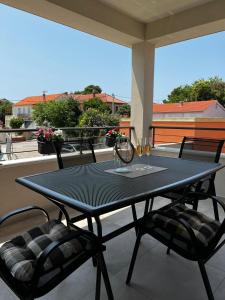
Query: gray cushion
[204,227]
[21,253]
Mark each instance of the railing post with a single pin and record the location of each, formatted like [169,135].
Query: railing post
[81,141]
[130,132]
[153,137]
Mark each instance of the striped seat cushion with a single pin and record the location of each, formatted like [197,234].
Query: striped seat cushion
[21,253]
[204,227]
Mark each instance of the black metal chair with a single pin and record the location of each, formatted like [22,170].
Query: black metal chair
[201,149]
[77,151]
[35,262]
[125,153]
[189,233]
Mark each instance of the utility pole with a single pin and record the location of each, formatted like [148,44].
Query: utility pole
[44,96]
[113,104]
[45,123]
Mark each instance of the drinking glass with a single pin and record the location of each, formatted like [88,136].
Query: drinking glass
[147,147]
[139,149]
[116,160]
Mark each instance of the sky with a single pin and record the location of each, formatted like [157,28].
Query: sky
[38,55]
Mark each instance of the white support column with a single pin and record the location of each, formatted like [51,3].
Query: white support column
[143,55]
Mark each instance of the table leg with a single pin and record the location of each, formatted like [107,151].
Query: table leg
[99,227]
[146,206]
[90,225]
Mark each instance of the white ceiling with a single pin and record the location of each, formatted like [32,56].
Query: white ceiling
[151,10]
[128,22]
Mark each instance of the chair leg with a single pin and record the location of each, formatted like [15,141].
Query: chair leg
[195,205]
[151,204]
[215,204]
[133,259]
[134,213]
[98,281]
[90,224]
[206,280]
[90,228]
[105,277]
[60,216]
[216,211]
[168,249]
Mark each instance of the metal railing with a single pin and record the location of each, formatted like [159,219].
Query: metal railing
[22,143]
[173,135]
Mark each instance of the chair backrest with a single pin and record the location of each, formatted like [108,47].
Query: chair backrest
[79,151]
[201,149]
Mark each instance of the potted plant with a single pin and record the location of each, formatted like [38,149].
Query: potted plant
[49,140]
[111,136]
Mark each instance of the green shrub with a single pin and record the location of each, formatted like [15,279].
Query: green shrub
[16,122]
[95,118]
[124,110]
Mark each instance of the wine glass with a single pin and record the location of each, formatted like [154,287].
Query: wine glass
[147,148]
[139,149]
[124,152]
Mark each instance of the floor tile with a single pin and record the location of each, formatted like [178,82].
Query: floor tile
[162,276]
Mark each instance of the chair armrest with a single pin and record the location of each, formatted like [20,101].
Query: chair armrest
[45,254]
[206,196]
[22,210]
[180,221]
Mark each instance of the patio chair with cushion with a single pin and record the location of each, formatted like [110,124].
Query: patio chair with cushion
[36,261]
[189,233]
[201,149]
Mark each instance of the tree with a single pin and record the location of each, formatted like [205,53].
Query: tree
[111,120]
[124,110]
[61,113]
[96,103]
[95,118]
[179,94]
[16,122]
[5,109]
[213,88]
[90,89]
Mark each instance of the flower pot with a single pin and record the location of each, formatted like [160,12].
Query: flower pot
[110,141]
[49,147]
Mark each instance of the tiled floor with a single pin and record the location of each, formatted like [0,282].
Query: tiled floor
[157,276]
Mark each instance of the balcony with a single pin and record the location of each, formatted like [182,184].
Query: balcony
[157,276]
[154,268]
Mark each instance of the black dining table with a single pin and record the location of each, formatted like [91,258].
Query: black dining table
[94,191]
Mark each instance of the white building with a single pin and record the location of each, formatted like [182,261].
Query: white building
[197,109]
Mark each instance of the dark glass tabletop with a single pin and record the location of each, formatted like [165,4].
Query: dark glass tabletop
[88,188]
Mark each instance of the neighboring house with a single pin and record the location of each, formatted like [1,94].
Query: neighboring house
[197,109]
[114,103]
[24,107]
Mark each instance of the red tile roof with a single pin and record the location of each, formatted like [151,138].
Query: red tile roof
[103,96]
[37,99]
[32,100]
[183,107]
